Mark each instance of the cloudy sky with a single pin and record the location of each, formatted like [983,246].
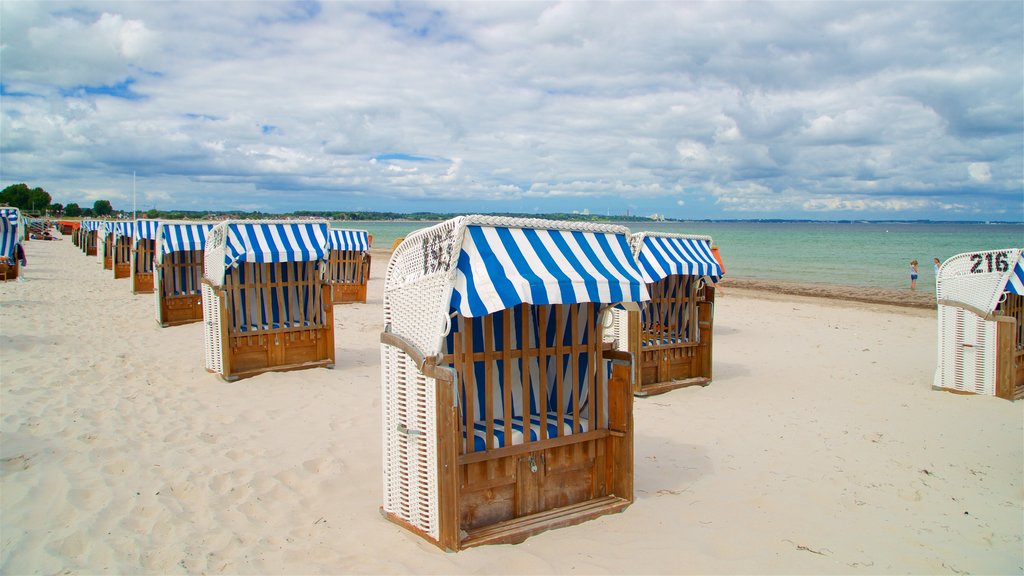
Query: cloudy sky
[693,110]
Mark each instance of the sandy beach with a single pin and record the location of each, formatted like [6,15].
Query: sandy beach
[820,447]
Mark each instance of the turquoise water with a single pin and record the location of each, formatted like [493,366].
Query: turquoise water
[855,254]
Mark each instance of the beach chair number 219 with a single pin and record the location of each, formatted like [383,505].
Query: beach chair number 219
[1001,263]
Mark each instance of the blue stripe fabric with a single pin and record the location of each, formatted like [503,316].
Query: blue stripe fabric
[9,221]
[341,239]
[123,228]
[184,237]
[8,236]
[145,229]
[662,256]
[1015,283]
[499,268]
[265,242]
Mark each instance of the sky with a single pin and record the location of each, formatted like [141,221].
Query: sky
[720,110]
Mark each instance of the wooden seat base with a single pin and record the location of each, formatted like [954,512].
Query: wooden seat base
[519,529]
[662,387]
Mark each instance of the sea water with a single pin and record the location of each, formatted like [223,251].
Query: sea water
[848,254]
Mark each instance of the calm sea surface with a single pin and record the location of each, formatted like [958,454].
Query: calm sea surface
[876,255]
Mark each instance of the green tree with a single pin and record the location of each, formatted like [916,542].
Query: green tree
[72,210]
[25,198]
[152,213]
[56,208]
[102,208]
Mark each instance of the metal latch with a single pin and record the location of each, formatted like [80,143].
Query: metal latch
[408,431]
[533,464]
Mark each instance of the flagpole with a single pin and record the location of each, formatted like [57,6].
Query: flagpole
[133,195]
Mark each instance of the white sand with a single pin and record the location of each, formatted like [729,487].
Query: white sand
[819,448]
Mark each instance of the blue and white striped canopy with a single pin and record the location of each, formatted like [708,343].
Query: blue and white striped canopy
[662,256]
[11,214]
[358,240]
[8,233]
[123,228]
[145,230]
[277,242]
[501,267]
[91,224]
[180,237]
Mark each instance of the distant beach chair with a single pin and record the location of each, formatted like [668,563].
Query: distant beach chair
[87,237]
[670,337]
[397,243]
[348,265]
[10,221]
[178,271]
[105,243]
[122,247]
[505,414]
[68,227]
[142,255]
[981,324]
[266,305]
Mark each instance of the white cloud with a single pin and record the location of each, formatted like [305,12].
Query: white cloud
[823,107]
[980,172]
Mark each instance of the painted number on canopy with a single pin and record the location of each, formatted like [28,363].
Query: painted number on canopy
[991,262]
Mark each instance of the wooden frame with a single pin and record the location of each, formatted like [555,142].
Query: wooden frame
[1010,348]
[142,263]
[256,337]
[177,280]
[87,241]
[108,251]
[348,271]
[671,339]
[122,257]
[9,269]
[494,494]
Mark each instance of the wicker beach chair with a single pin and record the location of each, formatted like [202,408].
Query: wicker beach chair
[122,248]
[348,265]
[10,237]
[670,337]
[142,255]
[981,323]
[505,414]
[266,305]
[178,271]
[87,235]
[105,243]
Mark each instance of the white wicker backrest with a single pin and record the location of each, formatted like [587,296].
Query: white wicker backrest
[976,280]
[213,258]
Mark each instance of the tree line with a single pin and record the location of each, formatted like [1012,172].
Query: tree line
[38,201]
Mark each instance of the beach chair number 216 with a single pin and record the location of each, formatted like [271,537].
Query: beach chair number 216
[1001,263]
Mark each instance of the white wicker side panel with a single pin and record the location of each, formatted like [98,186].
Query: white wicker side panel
[212,331]
[618,331]
[410,442]
[967,351]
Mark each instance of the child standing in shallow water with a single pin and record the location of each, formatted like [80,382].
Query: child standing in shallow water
[913,274]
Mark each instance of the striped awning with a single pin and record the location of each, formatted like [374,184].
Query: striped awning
[358,240]
[179,237]
[499,268]
[90,225]
[8,234]
[123,228]
[663,256]
[263,242]
[145,230]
